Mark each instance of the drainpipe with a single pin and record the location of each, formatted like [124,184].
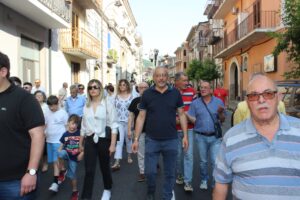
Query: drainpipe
[50,60]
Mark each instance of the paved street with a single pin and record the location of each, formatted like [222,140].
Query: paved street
[125,185]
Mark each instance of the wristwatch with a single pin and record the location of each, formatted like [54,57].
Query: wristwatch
[32,172]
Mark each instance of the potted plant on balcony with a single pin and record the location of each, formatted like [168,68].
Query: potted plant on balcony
[112,56]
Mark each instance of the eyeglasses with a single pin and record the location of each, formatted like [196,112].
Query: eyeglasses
[266,95]
[93,87]
[80,88]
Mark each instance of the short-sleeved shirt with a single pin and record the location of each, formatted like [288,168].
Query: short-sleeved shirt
[259,168]
[75,105]
[161,112]
[133,107]
[122,108]
[188,95]
[221,93]
[56,123]
[70,143]
[204,122]
[19,112]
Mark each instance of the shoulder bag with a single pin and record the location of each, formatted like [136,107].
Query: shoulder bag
[217,125]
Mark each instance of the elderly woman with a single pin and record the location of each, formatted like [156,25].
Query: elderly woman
[97,115]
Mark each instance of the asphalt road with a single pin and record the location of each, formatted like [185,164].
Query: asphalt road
[125,185]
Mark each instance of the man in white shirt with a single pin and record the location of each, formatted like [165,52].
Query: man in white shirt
[37,86]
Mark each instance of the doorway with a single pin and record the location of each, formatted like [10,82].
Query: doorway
[75,70]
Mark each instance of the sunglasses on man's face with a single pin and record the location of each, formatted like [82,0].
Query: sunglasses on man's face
[80,88]
[266,95]
[93,87]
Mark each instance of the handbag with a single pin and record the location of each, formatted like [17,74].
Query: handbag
[217,125]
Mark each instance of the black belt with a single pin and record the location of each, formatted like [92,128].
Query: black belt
[206,133]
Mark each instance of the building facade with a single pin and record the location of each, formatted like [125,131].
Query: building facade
[240,39]
[25,36]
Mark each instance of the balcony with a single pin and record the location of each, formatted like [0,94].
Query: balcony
[80,43]
[215,35]
[211,7]
[225,7]
[48,13]
[253,28]
[203,42]
[90,4]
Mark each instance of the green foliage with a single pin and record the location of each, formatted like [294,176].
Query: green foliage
[192,69]
[289,40]
[203,70]
[113,54]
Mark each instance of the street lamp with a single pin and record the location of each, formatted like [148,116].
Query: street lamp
[155,57]
[116,3]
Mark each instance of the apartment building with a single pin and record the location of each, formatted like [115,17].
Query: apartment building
[182,58]
[240,39]
[25,35]
[102,43]
[70,41]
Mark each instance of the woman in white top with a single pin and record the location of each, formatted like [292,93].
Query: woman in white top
[122,102]
[97,114]
[41,98]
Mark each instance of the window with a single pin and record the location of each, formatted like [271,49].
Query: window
[184,52]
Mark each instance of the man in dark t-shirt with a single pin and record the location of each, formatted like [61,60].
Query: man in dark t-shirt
[158,108]
[133,114]
[21,138]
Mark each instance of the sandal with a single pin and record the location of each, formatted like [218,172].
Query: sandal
[129,160]
[115,167]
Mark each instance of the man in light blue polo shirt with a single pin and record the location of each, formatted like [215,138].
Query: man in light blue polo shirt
[261,155]
[75,102]
[204,112]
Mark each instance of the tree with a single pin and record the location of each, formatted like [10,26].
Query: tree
[203,70]
[192,69]
[289,40]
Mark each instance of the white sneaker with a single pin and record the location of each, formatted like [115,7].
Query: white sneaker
[173,193]
[54,187]
[203,185]
[106,195]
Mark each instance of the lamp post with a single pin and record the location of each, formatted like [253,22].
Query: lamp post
[155,57]
[116,3]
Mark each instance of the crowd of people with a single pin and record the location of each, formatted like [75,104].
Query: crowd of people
[259,156]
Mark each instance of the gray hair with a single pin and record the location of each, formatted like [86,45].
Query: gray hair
[72,87]
[178,75]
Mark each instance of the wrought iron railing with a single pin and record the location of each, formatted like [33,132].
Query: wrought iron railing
[59,7]
[262,20]
[79,40]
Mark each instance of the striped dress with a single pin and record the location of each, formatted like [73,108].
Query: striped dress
[258,168]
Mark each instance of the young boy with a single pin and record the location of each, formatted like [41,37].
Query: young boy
[70,152]
[56,120]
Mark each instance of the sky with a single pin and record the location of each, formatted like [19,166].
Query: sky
[165,24]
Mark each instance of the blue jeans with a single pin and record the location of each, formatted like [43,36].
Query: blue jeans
[72,165]
[10,190]
[168,149]
[211,145]
[185,159]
